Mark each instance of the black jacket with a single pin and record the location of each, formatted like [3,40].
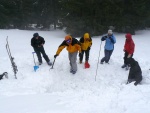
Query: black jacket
[37,42]
[135,71]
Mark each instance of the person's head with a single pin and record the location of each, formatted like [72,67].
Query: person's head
[128,36]
[68,39]
[131,61]
[86,36]
[36,35]
[110,32]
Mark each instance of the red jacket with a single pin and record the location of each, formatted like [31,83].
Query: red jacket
[129,44]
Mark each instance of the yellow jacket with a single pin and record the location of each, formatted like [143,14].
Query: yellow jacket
[71,48]
[85,41]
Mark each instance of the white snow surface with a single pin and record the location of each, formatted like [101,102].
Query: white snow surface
[58,91]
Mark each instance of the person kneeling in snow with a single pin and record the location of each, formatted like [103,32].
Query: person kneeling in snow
[135,73]
[4,74]
[73,46]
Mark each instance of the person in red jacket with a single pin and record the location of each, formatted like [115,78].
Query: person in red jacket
[128,49]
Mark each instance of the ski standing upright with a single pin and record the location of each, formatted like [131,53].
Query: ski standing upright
[11,58]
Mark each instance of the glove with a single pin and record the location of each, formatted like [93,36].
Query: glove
[129,55]
[88,48]
[55,56]
[80,54]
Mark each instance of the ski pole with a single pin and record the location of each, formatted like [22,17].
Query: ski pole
[98,60]
[53,63]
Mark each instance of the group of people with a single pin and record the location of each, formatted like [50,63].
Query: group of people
[82,46]
[135,73]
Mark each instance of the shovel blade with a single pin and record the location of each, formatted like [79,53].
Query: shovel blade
[35,68]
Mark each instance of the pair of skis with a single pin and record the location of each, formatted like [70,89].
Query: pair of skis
[14,66]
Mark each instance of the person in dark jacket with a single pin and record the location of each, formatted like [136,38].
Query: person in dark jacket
[128,49]
[4,74]
[73,47]
[135,73]
[37,43]
[86,43]
[110,40]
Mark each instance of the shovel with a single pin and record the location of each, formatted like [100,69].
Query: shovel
[53,64]
[35,67]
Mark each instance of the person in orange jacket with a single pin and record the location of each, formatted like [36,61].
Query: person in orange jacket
[86,43]
[73,46]
[129,47]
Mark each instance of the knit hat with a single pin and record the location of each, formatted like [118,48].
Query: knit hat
[35,34]
[67,37]
[110,32]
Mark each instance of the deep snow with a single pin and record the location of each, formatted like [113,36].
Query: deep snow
[58,91]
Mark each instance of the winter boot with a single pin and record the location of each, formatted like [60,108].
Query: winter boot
[87,65]
[49,63]
[40,63]
[73,72]
[80,62]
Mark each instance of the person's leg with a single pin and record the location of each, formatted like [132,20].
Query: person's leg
[104,58]
[44,55]
[108,55]
[73,63]
[87,55]
[81,57]
[138,80]
[37,51]
[125,60]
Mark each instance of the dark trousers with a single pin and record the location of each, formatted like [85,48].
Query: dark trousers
[39,51]
[126,58]
[86,55]
[107,56]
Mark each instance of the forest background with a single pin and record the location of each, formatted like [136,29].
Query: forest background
[76,16]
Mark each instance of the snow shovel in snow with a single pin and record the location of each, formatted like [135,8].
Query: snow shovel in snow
[35,67]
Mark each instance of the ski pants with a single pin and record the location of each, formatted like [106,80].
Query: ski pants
[107,56]
[86,55]
[72,59]
[126,58]
[39,51]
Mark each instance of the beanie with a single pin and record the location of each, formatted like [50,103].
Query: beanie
[67,37]
[35,34]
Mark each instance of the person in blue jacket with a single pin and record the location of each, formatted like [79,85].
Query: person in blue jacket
[110,40]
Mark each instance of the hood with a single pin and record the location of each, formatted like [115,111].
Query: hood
[86,36]
[128,37]
[132,62]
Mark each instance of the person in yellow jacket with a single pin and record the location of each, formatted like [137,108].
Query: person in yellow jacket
[86,43]
[73,46]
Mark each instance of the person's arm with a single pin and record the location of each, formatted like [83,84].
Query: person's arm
[104,38]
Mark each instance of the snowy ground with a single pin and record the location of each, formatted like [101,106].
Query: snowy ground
[58,91]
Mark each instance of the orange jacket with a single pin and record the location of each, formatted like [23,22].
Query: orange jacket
[71,48]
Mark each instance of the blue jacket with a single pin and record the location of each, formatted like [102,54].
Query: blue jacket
[110,41]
